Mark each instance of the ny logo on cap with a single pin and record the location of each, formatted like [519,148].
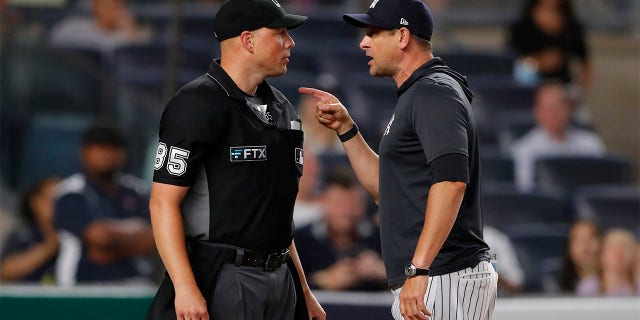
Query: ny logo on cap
[404,22]
[373,4]
[276,3]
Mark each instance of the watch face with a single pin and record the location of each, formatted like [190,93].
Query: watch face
[410,270]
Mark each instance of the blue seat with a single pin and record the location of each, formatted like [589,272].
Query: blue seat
[498,97]
[474,63]
[50,147]
[568,173]
[503,207]
[496,167]
[540,250]
[323,26]
[46,79]
[610,206]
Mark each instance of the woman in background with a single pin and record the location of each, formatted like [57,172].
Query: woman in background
[549,36]
[31,250]
[617,263]
[580,271]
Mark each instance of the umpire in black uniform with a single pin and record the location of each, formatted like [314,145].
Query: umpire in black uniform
[226,178]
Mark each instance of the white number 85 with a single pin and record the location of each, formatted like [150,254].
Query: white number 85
[177,164]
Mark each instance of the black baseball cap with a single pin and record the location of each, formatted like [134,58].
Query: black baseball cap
[235,16]
[104,133]
[395,14]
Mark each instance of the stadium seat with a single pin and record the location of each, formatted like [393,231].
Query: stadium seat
[475,63]
[540,250]
[496,167]
[50,147]
[60,79]
[568,173]
[503,207]
[321,27]
[498,97]
[611,206]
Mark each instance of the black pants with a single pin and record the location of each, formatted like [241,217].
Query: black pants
[252,293]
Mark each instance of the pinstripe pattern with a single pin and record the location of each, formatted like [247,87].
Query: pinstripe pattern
[468,294]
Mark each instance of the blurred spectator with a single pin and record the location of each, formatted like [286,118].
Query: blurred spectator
[511,275]
[317,138]
[342,251]
[553,135]
[617,261]
[580,270]
[549,33]
[102,216]
[31,249]
[307,207]
[110,26]
[637,267]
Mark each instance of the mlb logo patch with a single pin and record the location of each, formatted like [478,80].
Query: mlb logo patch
[299,156]
[248,153]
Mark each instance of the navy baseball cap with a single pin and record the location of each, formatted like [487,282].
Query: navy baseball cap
[395,14]
[235,16]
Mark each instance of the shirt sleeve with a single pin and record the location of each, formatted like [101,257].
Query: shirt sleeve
[439,117]
[71,213]
[187,129]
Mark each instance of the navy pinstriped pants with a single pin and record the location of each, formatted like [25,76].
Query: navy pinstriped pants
[468,294]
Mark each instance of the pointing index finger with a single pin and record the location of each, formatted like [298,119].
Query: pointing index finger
[319,94]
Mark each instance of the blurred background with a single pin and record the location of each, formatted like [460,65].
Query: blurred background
[557,103]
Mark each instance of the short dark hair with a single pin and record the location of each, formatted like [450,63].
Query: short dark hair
[104,132]
[423,43]
[342,176]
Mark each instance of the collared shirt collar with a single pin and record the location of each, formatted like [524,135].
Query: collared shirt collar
[220,76]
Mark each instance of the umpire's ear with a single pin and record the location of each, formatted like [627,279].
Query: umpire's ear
[246,38]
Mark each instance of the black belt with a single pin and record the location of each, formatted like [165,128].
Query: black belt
[245,257]
[268,262]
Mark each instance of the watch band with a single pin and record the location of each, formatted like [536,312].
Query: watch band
[349,134]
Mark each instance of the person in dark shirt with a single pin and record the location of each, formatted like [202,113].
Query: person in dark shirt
[226,177]
[549,33]
[102,216]
[31,250]
[342,250]
[427,176]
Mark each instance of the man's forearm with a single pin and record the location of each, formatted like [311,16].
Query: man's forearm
[365,164]
[443,205]
[170,242]
[296,261]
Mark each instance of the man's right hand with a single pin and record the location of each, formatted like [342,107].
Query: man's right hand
[329,111]
[190,305]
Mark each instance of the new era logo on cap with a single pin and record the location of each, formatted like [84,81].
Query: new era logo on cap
[396,14]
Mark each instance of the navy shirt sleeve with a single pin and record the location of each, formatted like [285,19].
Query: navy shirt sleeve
[439,118]
[187,128]
[71,213]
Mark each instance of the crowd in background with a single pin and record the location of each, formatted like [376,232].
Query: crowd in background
[82,220]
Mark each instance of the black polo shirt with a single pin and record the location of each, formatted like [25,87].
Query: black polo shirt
[433,118]
[242,169]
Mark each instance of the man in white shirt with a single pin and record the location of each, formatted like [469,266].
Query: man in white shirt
[111,25]
[511,274]
[553,135]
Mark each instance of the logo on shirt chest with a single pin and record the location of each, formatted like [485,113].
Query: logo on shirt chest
[248,153]
[388,129]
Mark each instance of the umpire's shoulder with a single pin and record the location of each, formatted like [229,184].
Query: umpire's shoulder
[200,94]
